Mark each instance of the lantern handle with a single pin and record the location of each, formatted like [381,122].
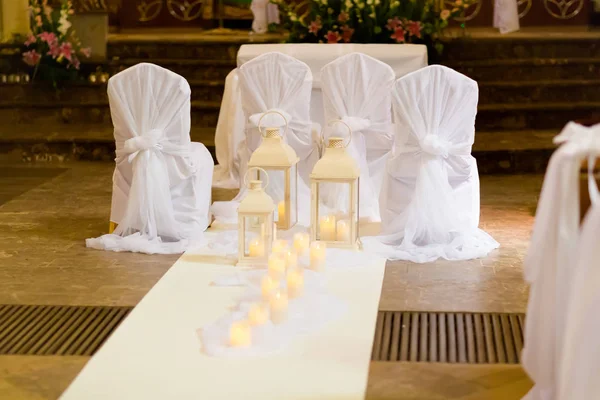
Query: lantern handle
[339,121]
[258,168]
[272,112]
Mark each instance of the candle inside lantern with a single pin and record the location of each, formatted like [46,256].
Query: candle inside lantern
[279,246]
[281,211]
[318,251]
[278,306]
[268,286]
[295,282]
[301,242]
[276,266]
[258,314]
[256,248]
[327,228]
[343,231]
[240,334]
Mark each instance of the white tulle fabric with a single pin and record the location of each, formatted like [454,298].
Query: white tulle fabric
[430,196]
[275,82]
[162,181]
[580,367]
[308,313]
[357,90]
[506,15]
[550,259]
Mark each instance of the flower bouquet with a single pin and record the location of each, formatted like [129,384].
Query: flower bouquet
[53,49]
[368,21]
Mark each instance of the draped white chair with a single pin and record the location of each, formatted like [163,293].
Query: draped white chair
[162,181]
[357,90]
[276,82]
[551,268]
[430,197]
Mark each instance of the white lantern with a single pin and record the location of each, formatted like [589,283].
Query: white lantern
[255,224]
[280,161]
[337,174]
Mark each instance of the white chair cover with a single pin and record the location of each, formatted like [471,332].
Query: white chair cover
[162,181]
[506,15]
[357,90]
[549,262]
[430,196]
[276,82]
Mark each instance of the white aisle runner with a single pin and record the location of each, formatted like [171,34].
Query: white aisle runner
[155,353]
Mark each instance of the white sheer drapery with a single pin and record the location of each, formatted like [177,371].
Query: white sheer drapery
[276,82]
[265,14]
[506,15]
[550,259]
[430,196]
[357,90]
[162,181]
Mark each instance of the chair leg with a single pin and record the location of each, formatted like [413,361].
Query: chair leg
[112,226]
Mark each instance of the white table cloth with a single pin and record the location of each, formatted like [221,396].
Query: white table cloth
[403,59]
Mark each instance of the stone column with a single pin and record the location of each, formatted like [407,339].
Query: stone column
[15,18]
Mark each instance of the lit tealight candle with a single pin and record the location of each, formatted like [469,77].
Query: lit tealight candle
[327,228]
[256,248]
[291,259]
[343,231]
[301,242]
[279,246]
[318,251]
[281,211]
[276,266]
[240,334]
[258,314]
[295,282]
[278,306]
[268,286]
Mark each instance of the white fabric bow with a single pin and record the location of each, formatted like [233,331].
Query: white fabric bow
[143,142]
[272,119]
[357,123]
[436,146]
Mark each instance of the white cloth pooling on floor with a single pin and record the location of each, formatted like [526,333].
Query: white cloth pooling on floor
[430,196]
[162,181]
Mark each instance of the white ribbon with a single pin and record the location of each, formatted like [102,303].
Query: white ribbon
[435,146]
[357,123]
[147,141]
[271,119]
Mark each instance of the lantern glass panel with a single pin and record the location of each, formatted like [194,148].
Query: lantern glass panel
[334,212]
[276,188]
[293,196]
[254,235]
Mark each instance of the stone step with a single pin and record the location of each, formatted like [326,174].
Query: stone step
[533,116]
[528,69]
[541,46]
[552,91]
[499,152]
[85,93]
[192,70]
[204,113]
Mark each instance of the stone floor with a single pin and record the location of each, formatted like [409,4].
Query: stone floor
[47,210]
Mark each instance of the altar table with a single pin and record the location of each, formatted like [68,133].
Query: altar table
[156,354]
[403,59]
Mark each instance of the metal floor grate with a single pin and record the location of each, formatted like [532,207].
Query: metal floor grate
[57,330]
[474,338]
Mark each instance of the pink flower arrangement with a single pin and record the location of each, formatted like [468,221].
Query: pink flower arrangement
[398,34]
[333,37]
[315,26]
[52,43]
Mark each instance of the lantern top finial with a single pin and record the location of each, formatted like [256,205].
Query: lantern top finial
[336,163]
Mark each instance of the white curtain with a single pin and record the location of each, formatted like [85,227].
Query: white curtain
[275,82]
[550,261]
[357,90]
[430,196]
[506,15]
[162,181]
